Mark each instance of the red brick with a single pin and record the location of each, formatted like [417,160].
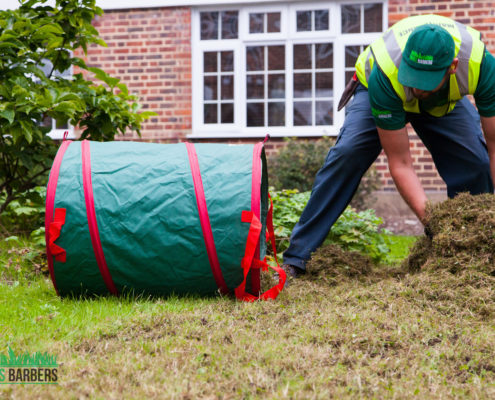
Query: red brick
[150,51]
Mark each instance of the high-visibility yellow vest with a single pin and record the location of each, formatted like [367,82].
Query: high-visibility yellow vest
[387,53]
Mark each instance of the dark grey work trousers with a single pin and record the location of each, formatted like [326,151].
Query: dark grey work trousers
[455,142]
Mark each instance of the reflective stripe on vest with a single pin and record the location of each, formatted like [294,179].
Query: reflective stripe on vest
[387,53]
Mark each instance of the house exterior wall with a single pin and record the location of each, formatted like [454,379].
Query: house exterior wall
[150,50]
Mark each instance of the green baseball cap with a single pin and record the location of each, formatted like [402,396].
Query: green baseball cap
[428,53]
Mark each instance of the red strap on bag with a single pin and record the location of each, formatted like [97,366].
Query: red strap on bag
[205,219]
[91,216]
[51,190]
[256,181]
[54,234]
[248,263]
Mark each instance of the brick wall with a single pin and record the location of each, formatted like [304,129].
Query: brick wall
[150,50]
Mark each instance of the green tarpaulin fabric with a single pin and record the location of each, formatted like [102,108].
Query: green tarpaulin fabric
[146,216]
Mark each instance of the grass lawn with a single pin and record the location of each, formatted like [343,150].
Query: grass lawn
[386,335]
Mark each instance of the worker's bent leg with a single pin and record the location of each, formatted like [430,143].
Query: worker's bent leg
[458,149]
[356,148]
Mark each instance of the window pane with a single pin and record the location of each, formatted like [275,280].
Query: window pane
[273,22]
[324,84]
[210,61]
[324,113]
[209,25]
[302,56]
[255,86]
[276,58]
[227,61]
[255,114]
[373,17]
[302,85]
[302,113]
[276,114]
[351,55]
[321,20]
[256,22]
[254,58]
[276,86]
[227,110]
[227,87]
[324,55]
[351,18]
[210,115]
[210,88]
[229,25]
[303,21]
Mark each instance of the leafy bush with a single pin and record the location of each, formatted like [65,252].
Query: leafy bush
[363,198]
[24,213]
[38,43]
[288,206]
[296,164]
[358,231]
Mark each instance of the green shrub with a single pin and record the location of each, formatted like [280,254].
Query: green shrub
[359,231]
[296,164]
[363,198]
[38,42]
[288,206]
[24,214]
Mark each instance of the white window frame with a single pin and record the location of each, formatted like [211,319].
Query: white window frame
[58,134]
[244,27]
[288,36]
[333,21]
[312,71]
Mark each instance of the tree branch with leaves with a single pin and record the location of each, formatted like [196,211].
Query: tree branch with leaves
[32,37]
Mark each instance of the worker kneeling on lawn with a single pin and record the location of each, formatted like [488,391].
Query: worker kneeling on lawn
[419,71]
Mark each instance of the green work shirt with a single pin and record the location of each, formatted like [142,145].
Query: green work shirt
[388,110]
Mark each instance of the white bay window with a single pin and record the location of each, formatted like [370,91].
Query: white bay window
[277,69]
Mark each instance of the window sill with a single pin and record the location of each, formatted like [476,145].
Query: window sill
[262,132]
[58,134]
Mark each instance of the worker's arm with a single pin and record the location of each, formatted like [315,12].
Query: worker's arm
[396,146]
[488,124]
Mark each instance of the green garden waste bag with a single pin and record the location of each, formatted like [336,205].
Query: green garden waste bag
[158,219]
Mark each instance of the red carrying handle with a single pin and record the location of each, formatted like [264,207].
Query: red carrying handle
[249,262]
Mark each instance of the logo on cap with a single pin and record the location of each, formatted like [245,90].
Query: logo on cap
[420,58]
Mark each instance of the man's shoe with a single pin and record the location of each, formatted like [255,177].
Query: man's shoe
[292,271]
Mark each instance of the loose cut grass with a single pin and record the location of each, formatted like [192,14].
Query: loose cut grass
[463,237]
[380,336]
[348,329]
